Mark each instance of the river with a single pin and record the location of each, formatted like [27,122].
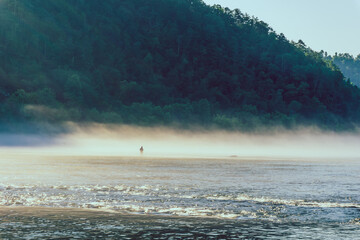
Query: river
[142,197]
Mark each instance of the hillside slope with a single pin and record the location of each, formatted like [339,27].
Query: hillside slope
[154,62]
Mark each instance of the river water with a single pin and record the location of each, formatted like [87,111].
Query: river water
[179,198]
[182,198]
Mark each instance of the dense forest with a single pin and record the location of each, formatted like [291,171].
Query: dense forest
[349,66]
[162,62]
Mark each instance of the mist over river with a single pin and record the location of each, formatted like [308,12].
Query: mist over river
[48,193]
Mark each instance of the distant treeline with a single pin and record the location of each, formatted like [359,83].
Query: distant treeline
[349,66]
[162,62]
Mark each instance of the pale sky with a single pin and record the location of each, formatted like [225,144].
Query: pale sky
[329,25]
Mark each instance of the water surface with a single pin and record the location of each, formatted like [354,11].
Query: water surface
[204,198]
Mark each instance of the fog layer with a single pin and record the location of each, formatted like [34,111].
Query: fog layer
[109,140]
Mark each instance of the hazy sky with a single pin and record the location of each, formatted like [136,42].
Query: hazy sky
[329,25]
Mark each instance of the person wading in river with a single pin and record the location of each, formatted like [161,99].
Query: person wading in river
[141,150]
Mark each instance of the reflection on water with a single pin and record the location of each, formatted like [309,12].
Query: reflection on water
[188,198]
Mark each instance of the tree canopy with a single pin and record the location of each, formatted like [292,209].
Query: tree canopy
[349,66]
[162,62]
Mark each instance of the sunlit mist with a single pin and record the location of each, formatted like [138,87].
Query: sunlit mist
[110,140]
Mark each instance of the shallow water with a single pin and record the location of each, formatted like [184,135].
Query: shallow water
[142,197]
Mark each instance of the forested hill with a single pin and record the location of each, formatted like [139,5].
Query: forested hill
[349,66]
[155,62]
